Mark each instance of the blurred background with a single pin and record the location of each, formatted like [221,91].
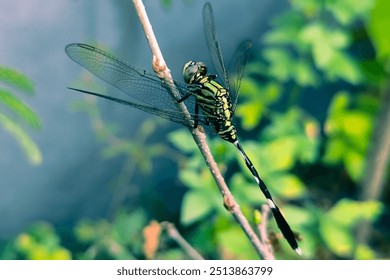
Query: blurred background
[82,178]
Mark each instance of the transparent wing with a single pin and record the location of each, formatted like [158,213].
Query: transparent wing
[231,78]
[145,90]
[171,115]
[236,70]
[137,83]
[213,45]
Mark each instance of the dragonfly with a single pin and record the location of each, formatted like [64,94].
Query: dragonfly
[210,98]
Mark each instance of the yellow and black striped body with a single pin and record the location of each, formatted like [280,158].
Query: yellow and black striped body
[212,98]
[214,101]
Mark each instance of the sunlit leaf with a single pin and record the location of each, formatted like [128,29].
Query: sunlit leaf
[233,244]
[349,212]
[61,254]
[250,114]
[196,205]
[280,62]
[334,151]
[287,186]
[339,102]
[40,242]
[347,11]
[337,225]
[343,67]
[21,109]
[255,99]
[299,216]
[378,25]
[309,7]
[338,238]
[16,79]
[279,154]
[363,252]
[357,124]
[26,143]
[317,37]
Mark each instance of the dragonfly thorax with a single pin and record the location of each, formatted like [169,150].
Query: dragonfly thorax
[212,98]
[193,71]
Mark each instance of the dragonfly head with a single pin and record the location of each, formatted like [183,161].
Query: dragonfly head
[192,71]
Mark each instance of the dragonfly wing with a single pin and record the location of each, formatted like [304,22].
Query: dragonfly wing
[172,115]
[237,68]
[213,45]
[137,83]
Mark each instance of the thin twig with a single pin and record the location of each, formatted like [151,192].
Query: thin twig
[163,72]
[175,235]
[262,228]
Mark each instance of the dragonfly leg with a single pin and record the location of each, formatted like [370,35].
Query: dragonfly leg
[196,117]
[193,89]
[183,98]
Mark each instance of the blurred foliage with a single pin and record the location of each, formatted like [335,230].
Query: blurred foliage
[306,115]
[15,113]
[313,163]
[39,242]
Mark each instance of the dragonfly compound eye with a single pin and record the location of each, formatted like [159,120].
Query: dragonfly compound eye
[193,70]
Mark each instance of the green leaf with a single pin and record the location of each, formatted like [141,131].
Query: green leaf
[255,99]
[347,11]
[348,212]
[27,144]
[309,7]
[364,252]
[304,74]
[16,79]
[339,102]
[342,66]
[287,186]
[337,237]
[334,151]
[299,216]
[191,179]
[357,124]
[378,25]
[336,226]
[128,226]
[196,205]
[245,191]
[279,154]
[281,63]
[182,140]
[234,245]
[21,109]
[250,113]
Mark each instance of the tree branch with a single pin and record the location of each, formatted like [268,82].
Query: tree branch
[174,234]
[163,73]
[262,228]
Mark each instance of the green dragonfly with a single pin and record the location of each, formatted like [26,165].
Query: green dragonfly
[211,99]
